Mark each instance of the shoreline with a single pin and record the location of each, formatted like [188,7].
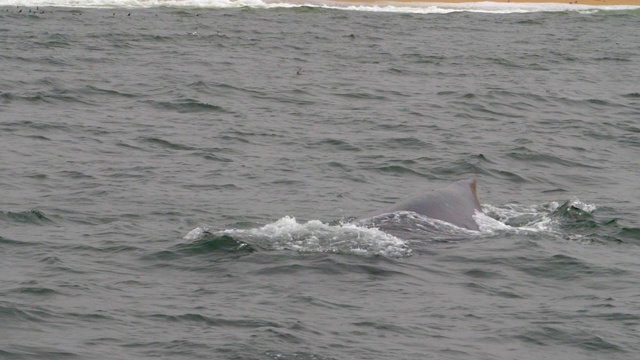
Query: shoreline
[428,2]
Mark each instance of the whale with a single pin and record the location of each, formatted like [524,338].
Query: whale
[455,204]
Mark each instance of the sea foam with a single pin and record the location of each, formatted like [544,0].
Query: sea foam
[315,236]
[416,8]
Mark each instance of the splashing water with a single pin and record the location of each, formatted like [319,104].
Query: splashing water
[391,234]
[315,236]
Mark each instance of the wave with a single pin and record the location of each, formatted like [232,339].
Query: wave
[572,220]
[416,8]
[28,216]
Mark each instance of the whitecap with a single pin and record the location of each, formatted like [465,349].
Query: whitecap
[315,236]
[397,7]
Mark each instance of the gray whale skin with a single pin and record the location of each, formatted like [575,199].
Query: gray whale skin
[455,204]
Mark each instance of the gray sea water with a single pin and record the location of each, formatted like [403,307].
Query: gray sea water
[180,183]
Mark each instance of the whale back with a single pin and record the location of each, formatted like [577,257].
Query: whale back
[455,204]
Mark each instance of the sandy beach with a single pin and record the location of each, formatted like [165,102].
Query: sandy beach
[577,2]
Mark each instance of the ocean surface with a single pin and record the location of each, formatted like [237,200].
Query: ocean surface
[184,180]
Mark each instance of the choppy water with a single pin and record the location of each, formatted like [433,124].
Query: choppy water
[173,188]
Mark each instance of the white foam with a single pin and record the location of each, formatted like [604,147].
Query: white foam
[315,236]
[479,7]
[366,239]
[487,224]
[527,218]
[417,8]
[589,208]
[194,234]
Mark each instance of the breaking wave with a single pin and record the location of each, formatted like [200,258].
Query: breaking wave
[416,8]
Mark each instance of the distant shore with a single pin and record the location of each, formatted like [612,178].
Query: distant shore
[577,2]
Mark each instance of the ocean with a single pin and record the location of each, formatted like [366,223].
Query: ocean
[187,180]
